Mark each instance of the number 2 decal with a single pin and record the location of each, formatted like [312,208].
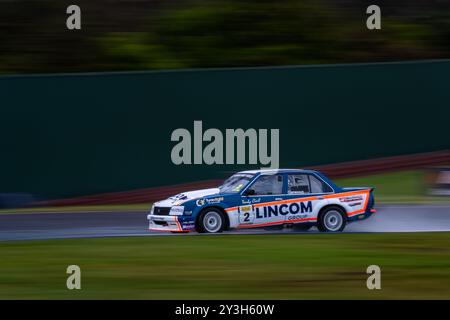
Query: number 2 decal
[246,215]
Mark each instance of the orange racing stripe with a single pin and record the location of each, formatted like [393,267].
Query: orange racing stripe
[331,196]
[363,210]
[275,223]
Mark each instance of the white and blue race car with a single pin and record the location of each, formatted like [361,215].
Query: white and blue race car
[264,198]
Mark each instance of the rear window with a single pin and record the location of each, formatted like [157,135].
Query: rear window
[319,186]
[298,184]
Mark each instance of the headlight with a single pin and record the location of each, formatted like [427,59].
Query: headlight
[176,211]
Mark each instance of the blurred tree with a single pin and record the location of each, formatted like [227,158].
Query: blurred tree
[156,34]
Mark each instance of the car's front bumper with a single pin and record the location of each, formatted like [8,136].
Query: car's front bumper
[169,223]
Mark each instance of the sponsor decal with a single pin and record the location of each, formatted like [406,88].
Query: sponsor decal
[188,225]
[245,209]
[296,217]
[214,200]
[351,199]
[354,204]
[200,202]
[284,209]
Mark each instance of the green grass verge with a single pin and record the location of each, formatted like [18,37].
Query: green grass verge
[397,187]
[399,184]
[414,266]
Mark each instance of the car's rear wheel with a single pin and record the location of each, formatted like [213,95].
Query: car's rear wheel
[211,220]
[331,219]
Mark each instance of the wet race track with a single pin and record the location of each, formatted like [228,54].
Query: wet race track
[395,218]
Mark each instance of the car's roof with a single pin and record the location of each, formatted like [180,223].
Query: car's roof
[275,171]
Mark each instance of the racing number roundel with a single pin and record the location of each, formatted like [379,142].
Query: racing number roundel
[246,214]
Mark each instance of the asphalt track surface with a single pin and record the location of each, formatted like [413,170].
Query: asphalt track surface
[35,226]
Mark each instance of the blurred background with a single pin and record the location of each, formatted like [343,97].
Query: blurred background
[119,35]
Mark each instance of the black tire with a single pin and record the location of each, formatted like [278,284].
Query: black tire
[332,219]
[210,220]
[302,227]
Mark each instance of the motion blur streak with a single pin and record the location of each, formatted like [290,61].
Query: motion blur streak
[155,34]
[420,218]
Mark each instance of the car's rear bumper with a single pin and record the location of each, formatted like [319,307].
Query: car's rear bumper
[363,215]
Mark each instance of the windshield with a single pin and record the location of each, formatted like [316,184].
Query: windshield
[236,183]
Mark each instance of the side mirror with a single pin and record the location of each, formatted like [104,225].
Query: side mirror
[249,192]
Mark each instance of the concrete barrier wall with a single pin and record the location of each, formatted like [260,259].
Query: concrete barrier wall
[75,135]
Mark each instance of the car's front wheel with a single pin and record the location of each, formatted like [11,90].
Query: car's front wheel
[211,220]
[331,219]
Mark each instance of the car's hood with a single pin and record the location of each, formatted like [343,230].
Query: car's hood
[186,196]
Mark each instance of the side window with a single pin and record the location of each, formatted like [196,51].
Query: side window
[318,186]
[298,184]
[267,185]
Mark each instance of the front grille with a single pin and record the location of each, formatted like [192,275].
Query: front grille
[161,211]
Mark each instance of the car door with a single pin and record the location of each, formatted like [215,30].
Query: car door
[305,196]
[260,202]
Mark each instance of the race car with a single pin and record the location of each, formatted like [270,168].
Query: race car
[264,198]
